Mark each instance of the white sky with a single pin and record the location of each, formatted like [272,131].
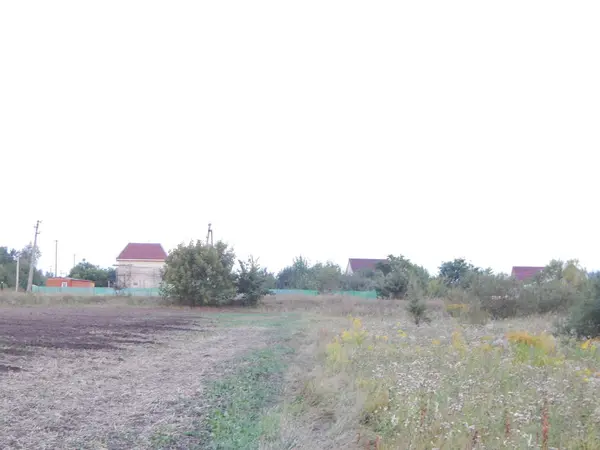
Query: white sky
[332,129]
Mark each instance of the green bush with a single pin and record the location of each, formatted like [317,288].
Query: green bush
[198,274]
[584,318]
[393,285]
[550,296]
[498,295]
[416,305]
[251,282]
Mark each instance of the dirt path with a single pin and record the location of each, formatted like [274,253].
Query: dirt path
[130,398]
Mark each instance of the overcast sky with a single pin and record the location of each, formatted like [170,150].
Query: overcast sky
[331,129]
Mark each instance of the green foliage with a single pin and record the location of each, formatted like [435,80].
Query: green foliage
[498,295]
[394,276]
[297,276]
[251,282]
[8,267]
[88,271]
[198,274]
[584,316]
[458,272]
[416,306]
[569,272]
[239,402]
[359,281]
[328,277]
[302,275]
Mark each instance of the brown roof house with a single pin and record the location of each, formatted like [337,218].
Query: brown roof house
[140,265]
[361,264]
[523,273]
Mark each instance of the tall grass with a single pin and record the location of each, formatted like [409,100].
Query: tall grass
[509,384]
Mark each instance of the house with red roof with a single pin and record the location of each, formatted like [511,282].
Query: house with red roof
[139,265]
[523,273]
[361,264]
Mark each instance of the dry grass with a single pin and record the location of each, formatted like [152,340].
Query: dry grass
[338,305]
[140,396]
[372,380]
[381,382]
[8,298]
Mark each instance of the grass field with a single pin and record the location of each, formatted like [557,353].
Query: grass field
[296,373]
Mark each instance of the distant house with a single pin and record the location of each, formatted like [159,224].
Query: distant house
[361,264]
[139,265]
[69,282]
[523,273]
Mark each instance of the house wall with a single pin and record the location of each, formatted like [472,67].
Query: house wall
[348,269]
[57,282]
[139,273]
[82,283]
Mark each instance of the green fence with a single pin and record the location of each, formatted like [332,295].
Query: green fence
[154,292]
[362,294]
[100,291]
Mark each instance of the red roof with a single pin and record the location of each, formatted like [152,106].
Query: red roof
[143,251]
[525,273]
[358,264]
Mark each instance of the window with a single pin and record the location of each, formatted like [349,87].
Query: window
[64,284]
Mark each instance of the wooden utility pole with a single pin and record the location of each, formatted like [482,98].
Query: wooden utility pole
[32,258]
[55,257]
[209,236]
[17,274]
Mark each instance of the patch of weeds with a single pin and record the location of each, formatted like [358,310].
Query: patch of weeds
[237,420]
[162,441]
[255,319]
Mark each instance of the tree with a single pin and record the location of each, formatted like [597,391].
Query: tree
[8,267]
[300,275]
[198,274]
[457,272]
[328,277]
[394,276]
[88,271]
[251,282]
[569,272]
[416,306]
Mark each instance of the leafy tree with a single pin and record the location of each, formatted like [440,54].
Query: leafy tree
[251,282]
[197,274]
[8,267]
[395,273]
[393,285]
[458,272]
[569,272]
[297,276]
[328,276]
[88,271]
[358,281]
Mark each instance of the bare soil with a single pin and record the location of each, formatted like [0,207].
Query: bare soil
[109,378]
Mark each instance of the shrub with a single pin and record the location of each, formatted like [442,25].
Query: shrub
[198,274]
[251,282]
[550,296]
[584,318]
[416,306]
[498,295]
[392,285]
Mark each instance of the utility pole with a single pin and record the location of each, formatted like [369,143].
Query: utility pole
[17,274]
[55,258]
[32,258]
[73,259]
[209,236]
